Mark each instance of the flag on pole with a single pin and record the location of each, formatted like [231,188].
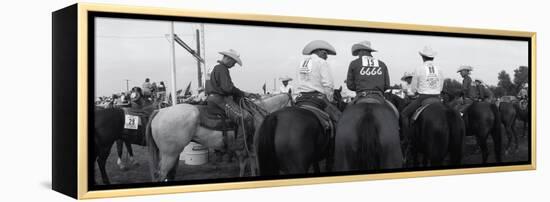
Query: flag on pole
[188,89]
[263,88]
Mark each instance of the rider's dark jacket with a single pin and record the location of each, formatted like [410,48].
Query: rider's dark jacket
[467,89]
[221,84]
[367,74]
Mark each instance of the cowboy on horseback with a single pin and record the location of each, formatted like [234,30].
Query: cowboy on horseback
[407,78]
[315,83]
[427,81]
[222,91]
[285,88]
[367,76]
[482,91]
[147,88]
[468,92]
[523,96]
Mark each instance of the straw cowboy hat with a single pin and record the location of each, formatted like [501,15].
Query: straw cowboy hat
[318,44]
[406,75]
[285,78]
[465,67]
[427,51]
[363,45]
[233,55]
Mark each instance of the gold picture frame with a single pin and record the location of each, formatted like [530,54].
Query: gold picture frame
[76,19]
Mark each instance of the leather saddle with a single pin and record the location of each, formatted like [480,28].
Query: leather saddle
[425,103]
[215,119]
[321,115]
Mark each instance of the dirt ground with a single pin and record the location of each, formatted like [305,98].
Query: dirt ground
[212,170]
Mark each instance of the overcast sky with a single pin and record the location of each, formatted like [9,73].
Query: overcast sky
[138,49]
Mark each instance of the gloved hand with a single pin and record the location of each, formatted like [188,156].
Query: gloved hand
[252,95]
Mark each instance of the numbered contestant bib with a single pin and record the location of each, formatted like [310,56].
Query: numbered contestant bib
[371,66]
[131,122]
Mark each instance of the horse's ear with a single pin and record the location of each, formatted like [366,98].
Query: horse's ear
[340,89]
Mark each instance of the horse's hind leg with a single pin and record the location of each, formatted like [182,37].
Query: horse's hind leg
[482,142]
[120,151]
[101,161]
[171,176]
[167,164]
[130,151]
[497,143]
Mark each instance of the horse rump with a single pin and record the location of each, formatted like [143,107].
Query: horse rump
[357,143]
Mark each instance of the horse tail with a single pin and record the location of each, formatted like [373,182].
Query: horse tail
[457,132]
[267,158]
[152,147]
[369,140]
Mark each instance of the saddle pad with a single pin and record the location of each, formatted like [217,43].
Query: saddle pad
[215,121]
[368,100]
[378,101]
[419,111]
[431,100]
[323,117]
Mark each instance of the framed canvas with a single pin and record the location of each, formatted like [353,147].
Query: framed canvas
[159,100]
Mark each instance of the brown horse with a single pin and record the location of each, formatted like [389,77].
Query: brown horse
[170,129]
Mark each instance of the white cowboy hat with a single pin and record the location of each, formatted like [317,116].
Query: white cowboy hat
[465,67]
[363,45]
[233,55]
[285,78]
[427,51]
[526,85]
[405,75]
[318,44]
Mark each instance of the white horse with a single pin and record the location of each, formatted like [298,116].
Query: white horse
[170,129]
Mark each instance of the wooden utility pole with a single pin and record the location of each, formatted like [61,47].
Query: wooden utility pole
[127,86]
[199,67]
[274,85]
[173,64]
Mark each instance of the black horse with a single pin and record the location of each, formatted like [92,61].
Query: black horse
[367,138]
[483,119]
[436,133]
[509,115]
[291,141]
[109,127]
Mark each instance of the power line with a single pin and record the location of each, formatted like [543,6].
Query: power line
[139,37]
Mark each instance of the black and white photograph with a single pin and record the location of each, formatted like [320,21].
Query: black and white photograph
[188,102]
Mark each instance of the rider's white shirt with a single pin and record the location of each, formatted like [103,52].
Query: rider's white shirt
[285,89]
[427,79]
[315,75]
